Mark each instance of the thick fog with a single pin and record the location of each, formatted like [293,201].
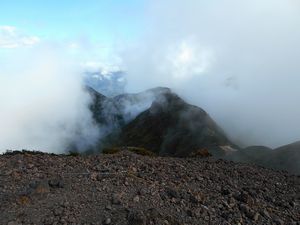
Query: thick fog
[239,60]
[43,105]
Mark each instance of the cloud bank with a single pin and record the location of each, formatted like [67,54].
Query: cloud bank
[236,59]
[43,104]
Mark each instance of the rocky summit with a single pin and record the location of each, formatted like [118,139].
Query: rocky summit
[129,188]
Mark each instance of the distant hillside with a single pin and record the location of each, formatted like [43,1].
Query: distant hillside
[284,158]
[107,83]
[287,157]
[162,122]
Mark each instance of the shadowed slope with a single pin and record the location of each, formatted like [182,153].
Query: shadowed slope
[173,127]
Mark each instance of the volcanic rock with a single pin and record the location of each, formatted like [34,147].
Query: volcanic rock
[171,191]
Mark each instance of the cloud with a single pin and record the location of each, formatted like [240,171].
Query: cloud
[11,37]
[236,59]
[186,59]
[43,104]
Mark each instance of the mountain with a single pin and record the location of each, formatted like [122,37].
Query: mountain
[173,127]
[162,122]
[283,158]
[287,157]
[251,154]
[121,109]
[108,83]
[105,111]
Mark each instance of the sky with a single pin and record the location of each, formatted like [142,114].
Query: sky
[96,20]
[239,60]
[91,29]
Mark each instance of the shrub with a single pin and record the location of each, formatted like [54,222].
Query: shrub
[202,153]
[141,151]
[111,150]
[73,153]
[136,150]
[25,152]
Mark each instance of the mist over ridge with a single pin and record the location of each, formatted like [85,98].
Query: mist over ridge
[140,112]
[237,60]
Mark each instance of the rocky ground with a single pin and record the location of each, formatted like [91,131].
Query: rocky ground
[126,188]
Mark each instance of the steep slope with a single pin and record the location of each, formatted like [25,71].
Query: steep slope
[113,113]
[122,108]
[131,105]
[105,111]
[287,157]
[251,154]
[173,127]
[283,158]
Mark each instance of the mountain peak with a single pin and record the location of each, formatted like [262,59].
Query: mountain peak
[173,127]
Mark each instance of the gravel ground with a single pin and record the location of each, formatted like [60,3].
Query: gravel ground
[127,188]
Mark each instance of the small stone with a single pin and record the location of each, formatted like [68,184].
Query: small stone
[292,204]
[266,214]
[42,187]
[23,200]
[136,218]
[30,165]
[256,216]
[13,223]
[102,176]
[136,199]
[56,183]
[196,198]
[94,176]
[246,198]
[225,191]
[172,193]
[108,207]
[247,211]
[116,199]
[58,211]
[278,221]
[189,212]
[107,221]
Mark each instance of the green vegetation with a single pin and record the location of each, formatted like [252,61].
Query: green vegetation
[110,151]
[202,153]
[73,153]
[24,151]
[141,151]
[136,150]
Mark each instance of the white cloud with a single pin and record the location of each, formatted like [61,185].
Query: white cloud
[241,64]
[187,59]
[43,105]
[96,66]
[11,37]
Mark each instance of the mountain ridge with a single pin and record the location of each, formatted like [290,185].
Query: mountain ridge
[162,122]
[174,119]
